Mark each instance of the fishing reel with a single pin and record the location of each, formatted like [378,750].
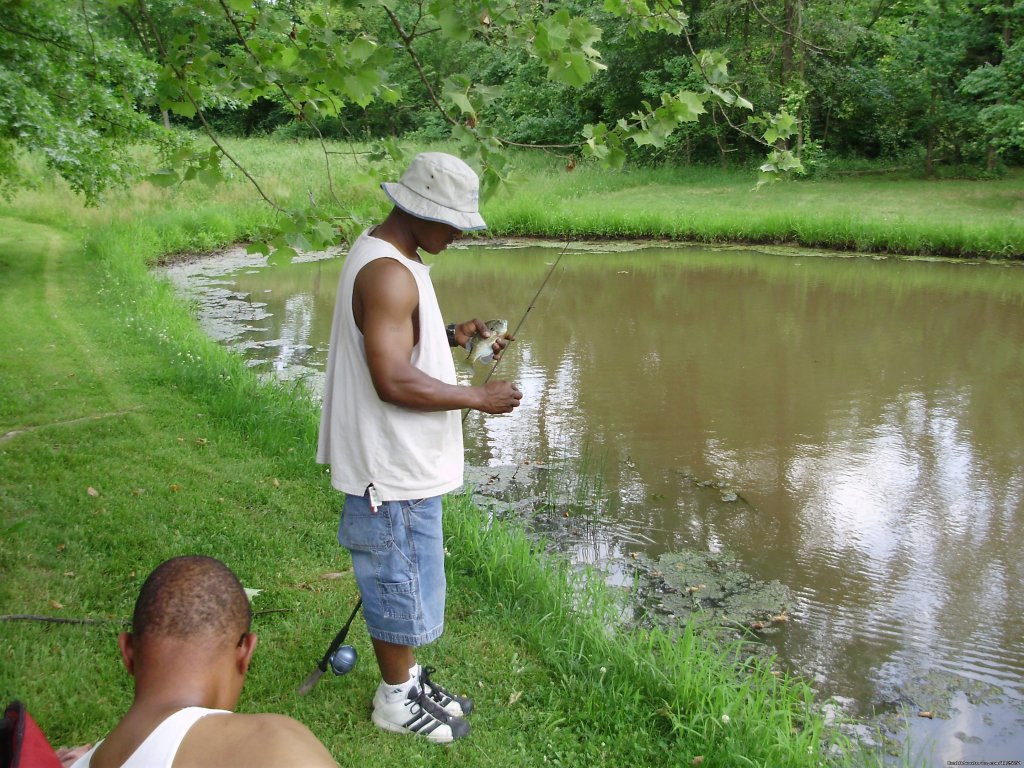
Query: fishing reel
[340,658]
[343,660]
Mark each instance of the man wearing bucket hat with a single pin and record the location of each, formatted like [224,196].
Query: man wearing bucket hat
[391,432]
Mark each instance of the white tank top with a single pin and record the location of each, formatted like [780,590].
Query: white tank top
[161,746]
[406,454]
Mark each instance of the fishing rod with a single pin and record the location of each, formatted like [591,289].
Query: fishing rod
[522,320]
[342,658]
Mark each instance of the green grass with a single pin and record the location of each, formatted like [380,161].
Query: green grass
[869,213]
[886,212]
[127,436]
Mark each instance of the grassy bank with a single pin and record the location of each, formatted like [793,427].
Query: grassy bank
[883,214]
[126,437]
[878,212]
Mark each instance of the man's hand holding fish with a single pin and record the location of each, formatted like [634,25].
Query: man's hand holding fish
[474,335]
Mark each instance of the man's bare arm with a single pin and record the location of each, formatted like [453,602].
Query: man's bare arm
[385,300]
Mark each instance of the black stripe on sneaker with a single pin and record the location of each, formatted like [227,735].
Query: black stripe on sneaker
[441,695]
[423,722]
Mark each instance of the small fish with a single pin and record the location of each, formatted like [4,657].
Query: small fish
[481,349]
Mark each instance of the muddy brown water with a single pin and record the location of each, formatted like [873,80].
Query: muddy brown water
[850,427]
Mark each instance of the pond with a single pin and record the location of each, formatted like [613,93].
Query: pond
[846,427]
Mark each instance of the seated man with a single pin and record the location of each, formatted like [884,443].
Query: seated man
[189,652]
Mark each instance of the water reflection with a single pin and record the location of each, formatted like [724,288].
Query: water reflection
[867,410]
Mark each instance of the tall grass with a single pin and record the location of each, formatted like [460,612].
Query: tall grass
[887,214]
[884,213]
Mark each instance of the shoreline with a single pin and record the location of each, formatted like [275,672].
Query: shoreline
[624,244]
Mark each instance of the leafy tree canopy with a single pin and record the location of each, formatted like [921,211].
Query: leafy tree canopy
[71,92]
[649,80]
[73,89]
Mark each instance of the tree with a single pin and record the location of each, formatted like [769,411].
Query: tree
[998,84]
[71,93]
[317,60]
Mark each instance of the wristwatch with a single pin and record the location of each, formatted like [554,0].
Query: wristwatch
[450,328]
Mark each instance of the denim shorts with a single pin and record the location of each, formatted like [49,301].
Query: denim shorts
[398,560]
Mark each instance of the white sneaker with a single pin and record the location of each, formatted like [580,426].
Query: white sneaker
[416,714]
[459,706]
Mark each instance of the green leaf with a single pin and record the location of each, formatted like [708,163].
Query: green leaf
[456,90]
[360,86]
[324,234]
[692,104]
[593,149]
[647,139]
[781,126]
[715,67]
[573,70]
[728,97]
[210,176]
[282,256]
[361,49]
[556,30]
[183,108]
[452,24]
[298,241]
[616,157]
[164,177]
[287,56]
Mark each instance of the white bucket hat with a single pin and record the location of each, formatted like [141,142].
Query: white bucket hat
[439,187]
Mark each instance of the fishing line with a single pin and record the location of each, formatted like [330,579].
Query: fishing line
[522,319]
[533,301]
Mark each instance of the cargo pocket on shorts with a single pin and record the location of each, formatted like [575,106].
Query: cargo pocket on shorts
[397,570]
[400,599]
[363,530]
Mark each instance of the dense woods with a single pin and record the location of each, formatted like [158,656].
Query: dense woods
[785,85]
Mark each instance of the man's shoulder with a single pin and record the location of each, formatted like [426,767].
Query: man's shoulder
[253,740]
[386,278]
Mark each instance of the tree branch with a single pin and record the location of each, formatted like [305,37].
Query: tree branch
[407,38]
[788,33]
[138,30]
[298,110]
[407,44]
[88,31]
[703,74]
[199,110]
[44,40]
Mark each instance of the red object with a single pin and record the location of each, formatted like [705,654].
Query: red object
[22,743]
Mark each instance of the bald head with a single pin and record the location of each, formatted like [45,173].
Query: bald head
[192,597]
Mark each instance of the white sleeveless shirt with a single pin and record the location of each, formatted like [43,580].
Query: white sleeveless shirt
[406,454]
[161,746]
